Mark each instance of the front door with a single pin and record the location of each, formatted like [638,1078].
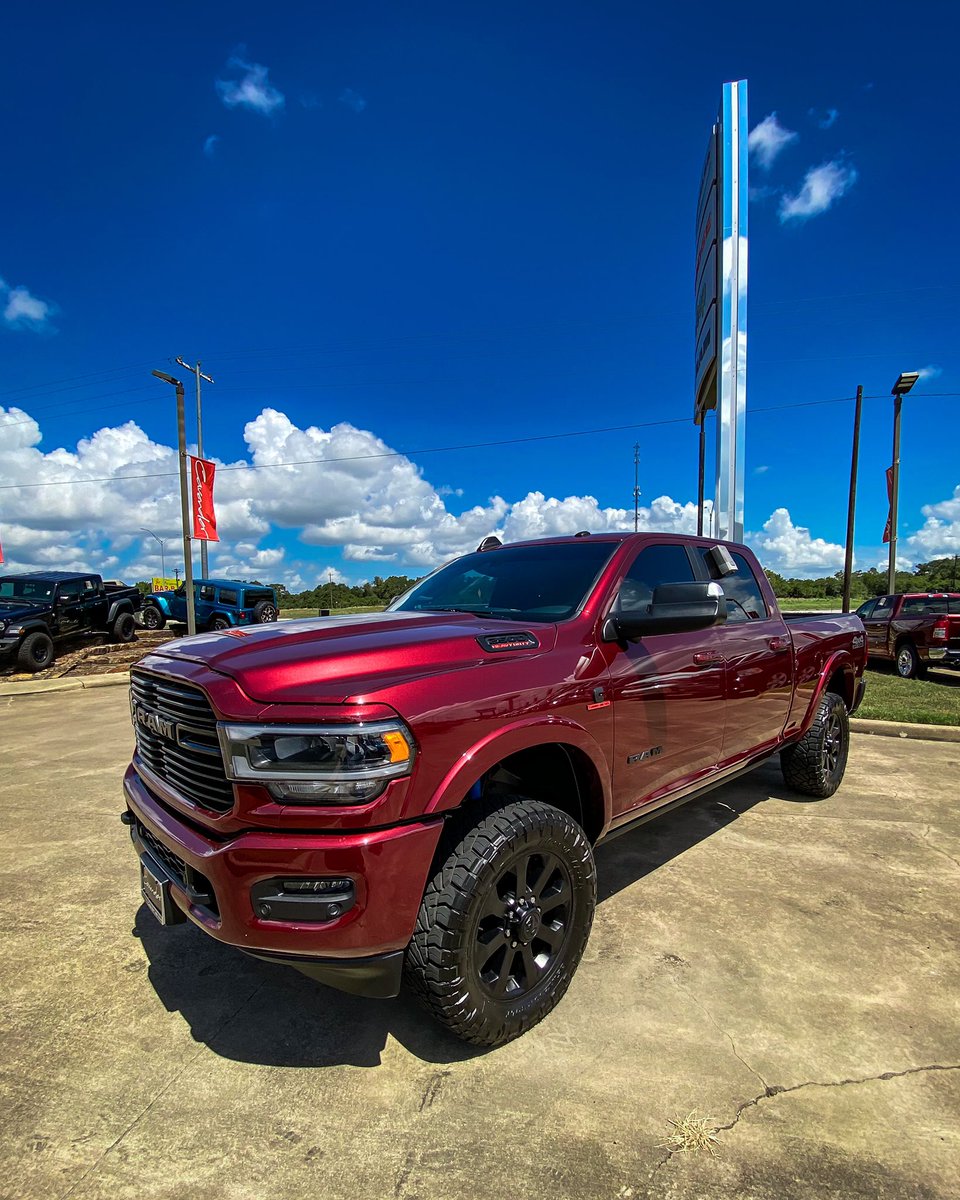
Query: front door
[667,691]
[69,606]
[877,625]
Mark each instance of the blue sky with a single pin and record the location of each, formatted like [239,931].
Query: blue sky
[432,225]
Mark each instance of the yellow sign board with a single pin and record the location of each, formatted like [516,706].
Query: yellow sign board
[165,585]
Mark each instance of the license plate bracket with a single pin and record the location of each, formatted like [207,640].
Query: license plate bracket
[155,890]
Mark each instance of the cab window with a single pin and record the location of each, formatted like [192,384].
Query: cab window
[654,565]
[865,611]
[207,593]
[70,589]
[228,596]
[745,600]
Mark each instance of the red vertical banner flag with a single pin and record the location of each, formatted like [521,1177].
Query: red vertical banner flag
[1,553]
[886,528]
[202,472]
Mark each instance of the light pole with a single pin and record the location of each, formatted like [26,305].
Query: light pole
[204,574]
[160,541]
[184,504]
[330,589]
[905,381]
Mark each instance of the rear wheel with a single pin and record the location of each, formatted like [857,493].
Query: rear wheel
[124,628]
[36,652]
[504,922]
[219,623]
[151,617]
[909,665]
[815,765]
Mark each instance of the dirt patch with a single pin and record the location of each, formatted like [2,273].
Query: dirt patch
[93,655]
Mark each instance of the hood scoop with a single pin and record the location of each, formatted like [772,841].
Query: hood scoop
[500,643]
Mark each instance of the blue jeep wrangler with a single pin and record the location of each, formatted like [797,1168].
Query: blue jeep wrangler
[220,604]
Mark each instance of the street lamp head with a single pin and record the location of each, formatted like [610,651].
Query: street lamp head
[905,382]
[167,378]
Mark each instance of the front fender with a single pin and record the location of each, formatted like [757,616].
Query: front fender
[499,744]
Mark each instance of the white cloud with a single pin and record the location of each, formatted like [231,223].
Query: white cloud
[932,371]
[210,144]
[940,533]
[791,550]
[362,500]
[352,100]
[23,310]
[766,140]
[252,89]
[761,470]
[822,187]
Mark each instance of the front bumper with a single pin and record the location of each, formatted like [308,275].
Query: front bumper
[211,881]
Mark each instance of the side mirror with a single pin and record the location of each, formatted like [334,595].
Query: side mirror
[676,608]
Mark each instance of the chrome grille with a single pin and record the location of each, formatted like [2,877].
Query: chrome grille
[187,754]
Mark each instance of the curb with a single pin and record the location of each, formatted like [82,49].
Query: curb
[903,729]
[37,687]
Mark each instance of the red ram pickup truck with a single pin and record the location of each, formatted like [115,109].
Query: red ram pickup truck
[417,793]
[915,630]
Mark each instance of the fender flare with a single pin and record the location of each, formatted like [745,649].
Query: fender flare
[34,625]
[839,660]
[125,604]
[499,744]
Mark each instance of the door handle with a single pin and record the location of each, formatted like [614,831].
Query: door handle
[779,644]
[707,658]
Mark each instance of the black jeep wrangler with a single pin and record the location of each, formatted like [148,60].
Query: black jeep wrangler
[44,607]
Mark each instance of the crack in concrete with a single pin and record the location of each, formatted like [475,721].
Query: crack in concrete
[158,1095]
[774,1090]
[924,836]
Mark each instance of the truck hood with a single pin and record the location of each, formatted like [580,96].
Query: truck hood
[11,610]
[335,659]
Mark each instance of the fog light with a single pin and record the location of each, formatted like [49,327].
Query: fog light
[303,900]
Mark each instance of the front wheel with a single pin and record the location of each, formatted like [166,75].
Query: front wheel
[815,765]
[36,652]
[504,922]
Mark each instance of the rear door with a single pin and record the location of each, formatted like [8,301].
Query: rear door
[667,690]
[758,663]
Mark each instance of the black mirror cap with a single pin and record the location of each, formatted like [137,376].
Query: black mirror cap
[676,608]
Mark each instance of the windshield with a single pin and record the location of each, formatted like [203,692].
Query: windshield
[517,583]
[13,588]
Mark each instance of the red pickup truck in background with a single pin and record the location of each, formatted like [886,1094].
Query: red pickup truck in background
[915,630]
[417,793]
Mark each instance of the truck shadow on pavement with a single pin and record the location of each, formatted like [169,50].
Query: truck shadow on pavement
[250,1011]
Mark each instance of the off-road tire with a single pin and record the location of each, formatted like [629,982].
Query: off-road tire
[264,612]
[511,877]
[219,623]
[124,628]
[815,765]
[36,652]
[908,662]
[152,617]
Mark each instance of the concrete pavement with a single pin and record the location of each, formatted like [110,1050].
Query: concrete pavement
[785,968]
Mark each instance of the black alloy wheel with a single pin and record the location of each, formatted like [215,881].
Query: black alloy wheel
[816,764]
[524,925]
[151,617]
[504,919]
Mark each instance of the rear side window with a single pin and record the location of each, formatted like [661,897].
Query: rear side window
[744,598]
[70,589]
[654,565]
[228,596]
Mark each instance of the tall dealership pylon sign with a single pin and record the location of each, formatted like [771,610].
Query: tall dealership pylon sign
[721,308]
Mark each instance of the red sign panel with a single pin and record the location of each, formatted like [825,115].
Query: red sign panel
[201,488]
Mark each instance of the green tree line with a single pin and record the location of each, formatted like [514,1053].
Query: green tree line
[938,575]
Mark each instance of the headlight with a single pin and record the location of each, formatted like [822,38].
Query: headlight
[318,764]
